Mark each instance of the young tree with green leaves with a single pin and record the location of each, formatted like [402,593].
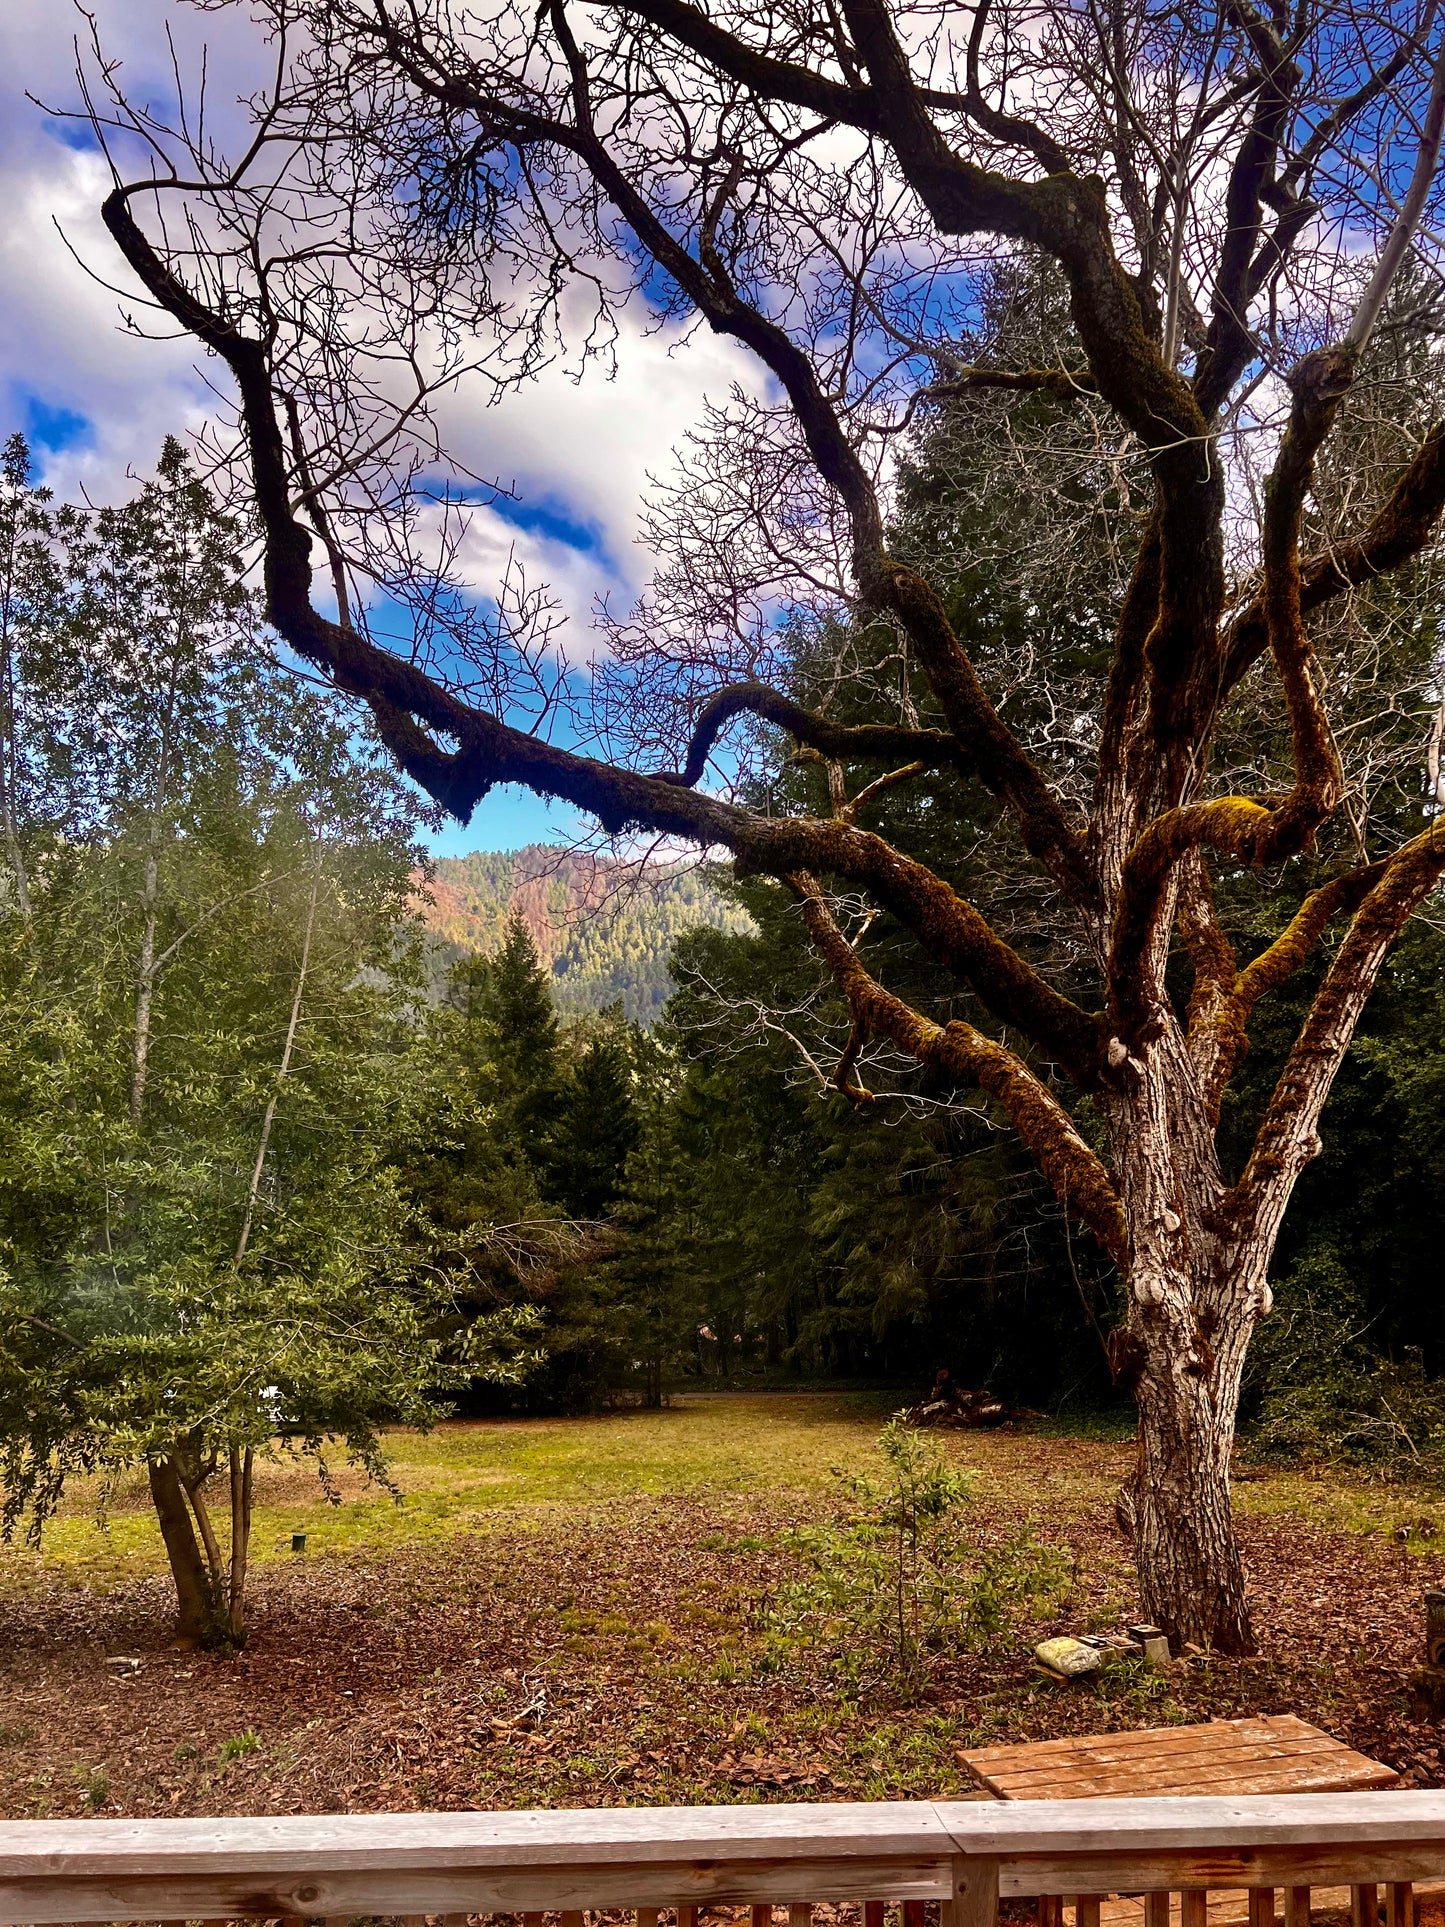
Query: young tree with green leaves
[209,1078]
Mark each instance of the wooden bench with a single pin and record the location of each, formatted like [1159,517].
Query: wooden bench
[689,1862]
[1277,1753]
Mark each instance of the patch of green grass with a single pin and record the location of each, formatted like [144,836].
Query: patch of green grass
[1336,1499]
[16,1735]
[466,1476]
[94,1786]
[237,1747]
[469,1477]
[1127,1682]
[1117,1424]
[898,1756]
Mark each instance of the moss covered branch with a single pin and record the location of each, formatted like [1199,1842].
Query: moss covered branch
[1079,1179]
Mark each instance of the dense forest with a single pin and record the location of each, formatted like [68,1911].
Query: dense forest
[601,929]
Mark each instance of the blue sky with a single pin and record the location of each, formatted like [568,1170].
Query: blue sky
[509,817]
[96,402]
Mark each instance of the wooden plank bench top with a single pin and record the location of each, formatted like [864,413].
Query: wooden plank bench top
[1274,1753]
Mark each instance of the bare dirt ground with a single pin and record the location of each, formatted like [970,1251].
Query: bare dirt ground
[588,1631]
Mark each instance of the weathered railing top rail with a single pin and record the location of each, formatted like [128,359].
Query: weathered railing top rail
[964,1853]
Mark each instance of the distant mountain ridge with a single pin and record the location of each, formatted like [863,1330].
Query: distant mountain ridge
[601,933]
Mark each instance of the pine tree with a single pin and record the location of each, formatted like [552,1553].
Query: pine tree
[522,1040]
[597,1126]
[646,1291]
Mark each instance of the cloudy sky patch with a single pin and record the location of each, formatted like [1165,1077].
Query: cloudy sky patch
[95,401]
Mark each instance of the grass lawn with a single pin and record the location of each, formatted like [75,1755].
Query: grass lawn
[473,1477]
[577,1611]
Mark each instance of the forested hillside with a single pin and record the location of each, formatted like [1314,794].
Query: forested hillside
[600,933]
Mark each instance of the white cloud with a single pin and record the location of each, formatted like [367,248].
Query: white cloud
[590,445]
[61,334]
[580,449]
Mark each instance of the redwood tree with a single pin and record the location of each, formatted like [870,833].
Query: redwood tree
[430,196]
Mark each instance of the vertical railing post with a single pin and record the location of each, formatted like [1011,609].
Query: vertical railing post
[1194,1908]
[973,1901]
[1261,1907]
[1399,1904]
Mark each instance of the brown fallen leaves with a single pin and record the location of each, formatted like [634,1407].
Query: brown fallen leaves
[613,1655]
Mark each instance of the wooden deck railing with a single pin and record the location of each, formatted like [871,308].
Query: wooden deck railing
[685,1861]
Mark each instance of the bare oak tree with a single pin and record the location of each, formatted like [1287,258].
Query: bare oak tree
[433,193]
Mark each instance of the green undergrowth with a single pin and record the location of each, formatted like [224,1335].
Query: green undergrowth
[1115,1425]
[1345,1500]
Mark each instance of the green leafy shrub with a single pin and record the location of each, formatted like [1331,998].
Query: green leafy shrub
[1322,1391]
[894,1582]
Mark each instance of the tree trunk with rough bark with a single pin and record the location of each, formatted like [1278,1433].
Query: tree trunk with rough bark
[195,1598]
[1191,1578]
[1193,1297]
[210,1579]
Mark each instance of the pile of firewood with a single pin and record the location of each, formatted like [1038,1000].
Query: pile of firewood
[963,1412]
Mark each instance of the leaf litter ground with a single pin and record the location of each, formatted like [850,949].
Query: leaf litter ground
[569,1614]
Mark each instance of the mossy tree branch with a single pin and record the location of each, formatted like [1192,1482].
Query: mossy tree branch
[965,1054]
[1288,1134]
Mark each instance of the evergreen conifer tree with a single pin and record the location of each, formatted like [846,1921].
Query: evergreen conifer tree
[647,1291]
[597,1126]
[522,1038]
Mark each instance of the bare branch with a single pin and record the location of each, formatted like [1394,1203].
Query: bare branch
[1407,221]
